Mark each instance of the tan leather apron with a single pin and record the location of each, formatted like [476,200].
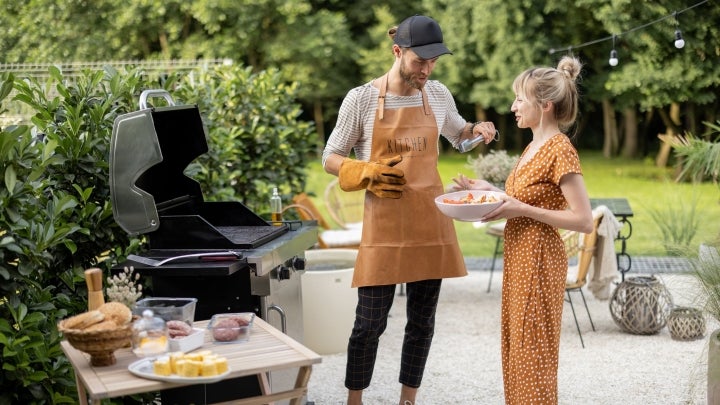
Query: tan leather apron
[407,239]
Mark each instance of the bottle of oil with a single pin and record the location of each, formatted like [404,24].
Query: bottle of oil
[276,208]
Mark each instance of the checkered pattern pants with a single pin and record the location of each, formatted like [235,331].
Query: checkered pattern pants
[370,321]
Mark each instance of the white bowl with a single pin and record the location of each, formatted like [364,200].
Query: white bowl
[469,212]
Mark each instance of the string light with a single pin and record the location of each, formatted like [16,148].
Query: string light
[613,61]
[679,41]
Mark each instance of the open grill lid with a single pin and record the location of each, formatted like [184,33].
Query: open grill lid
[149,152]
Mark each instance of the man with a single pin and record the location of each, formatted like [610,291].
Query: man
[393,125]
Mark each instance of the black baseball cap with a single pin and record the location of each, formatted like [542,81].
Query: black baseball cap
[423,35]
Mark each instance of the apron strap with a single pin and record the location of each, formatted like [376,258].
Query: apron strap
[426,103]
[381,99]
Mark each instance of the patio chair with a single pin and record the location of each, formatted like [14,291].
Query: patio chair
[497,230]
[583,247]
[327,237]
[345,208]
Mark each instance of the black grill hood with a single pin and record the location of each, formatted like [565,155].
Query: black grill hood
[150,193]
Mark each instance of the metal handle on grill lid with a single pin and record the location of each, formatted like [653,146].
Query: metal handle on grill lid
[155,93]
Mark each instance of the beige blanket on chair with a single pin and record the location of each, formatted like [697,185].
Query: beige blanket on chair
[604,267]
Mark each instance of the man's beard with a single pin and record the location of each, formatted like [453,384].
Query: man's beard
[408,77]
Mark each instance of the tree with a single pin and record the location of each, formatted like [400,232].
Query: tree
[652,73]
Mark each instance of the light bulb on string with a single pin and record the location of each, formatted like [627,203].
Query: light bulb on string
[613,61]
[679,41]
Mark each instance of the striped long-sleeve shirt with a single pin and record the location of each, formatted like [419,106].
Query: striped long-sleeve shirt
[354,126]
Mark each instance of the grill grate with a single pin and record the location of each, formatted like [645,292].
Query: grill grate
[248,235]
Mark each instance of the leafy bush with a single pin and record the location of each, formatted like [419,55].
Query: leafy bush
[55,213]
[494,166]
[256,141]
[55,221]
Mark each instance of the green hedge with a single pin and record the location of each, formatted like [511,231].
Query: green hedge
[55,212]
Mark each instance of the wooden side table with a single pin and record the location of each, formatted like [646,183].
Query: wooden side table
[267,350]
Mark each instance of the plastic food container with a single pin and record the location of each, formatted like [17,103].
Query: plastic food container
[231,327]
[169,309]
[189,342]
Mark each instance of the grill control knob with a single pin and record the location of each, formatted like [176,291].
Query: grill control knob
[283,273]
[298,263]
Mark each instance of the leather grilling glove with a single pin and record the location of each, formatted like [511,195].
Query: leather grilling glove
[380,177]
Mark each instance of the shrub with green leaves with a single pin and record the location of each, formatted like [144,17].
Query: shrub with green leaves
[55,212]
[256,141]
[494,166]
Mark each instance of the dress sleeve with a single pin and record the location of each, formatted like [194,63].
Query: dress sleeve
[566,160]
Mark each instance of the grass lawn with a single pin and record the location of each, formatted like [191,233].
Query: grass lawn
[646,187]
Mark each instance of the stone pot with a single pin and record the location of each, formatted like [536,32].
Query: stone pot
[328,299]
[713,371]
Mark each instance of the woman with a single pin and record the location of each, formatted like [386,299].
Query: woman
[545,191]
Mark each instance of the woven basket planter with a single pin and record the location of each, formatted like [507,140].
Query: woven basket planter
[641,305]
[686,323]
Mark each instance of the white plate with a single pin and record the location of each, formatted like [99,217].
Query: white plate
[144,368]
[466,212]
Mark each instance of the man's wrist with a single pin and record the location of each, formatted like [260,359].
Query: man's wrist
[472,127]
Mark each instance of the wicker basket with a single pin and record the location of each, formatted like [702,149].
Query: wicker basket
[686,323]
[641,305]
[100,344]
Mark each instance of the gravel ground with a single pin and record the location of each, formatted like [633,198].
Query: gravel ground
[615,367]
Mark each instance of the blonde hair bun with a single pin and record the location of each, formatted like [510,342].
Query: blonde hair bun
[570,66]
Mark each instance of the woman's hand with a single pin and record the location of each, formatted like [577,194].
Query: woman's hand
[463,182]
[510,208]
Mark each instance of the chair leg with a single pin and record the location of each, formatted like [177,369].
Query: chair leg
[492,266]
[577,325]
[587,310]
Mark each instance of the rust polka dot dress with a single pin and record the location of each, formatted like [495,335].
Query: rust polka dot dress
[534,273]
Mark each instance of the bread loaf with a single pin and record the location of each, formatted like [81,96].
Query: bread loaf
[84,320]
[116,312]
[104,325]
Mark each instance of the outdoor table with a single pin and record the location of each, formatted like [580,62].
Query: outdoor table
[267,350]
[620,207]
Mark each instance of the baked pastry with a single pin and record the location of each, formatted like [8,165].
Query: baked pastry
[117,312]
[84,320]
[104,325]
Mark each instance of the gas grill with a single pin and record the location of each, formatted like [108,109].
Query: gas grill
[261,268]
